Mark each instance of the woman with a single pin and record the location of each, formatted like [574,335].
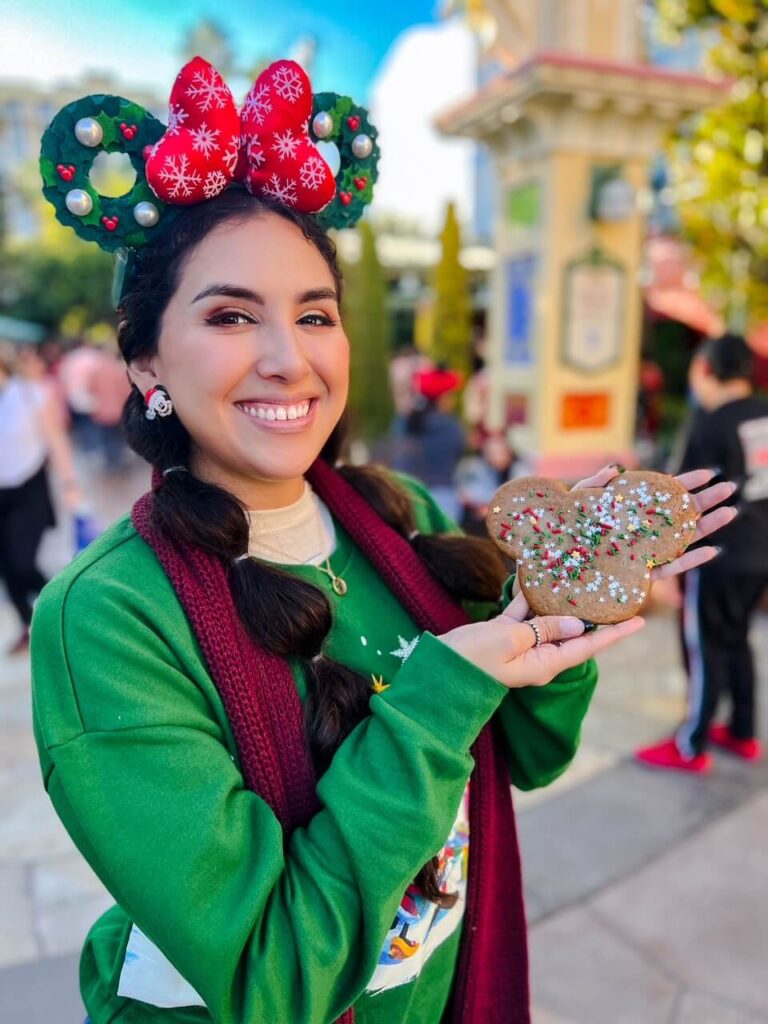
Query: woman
[31,434]
[173,663]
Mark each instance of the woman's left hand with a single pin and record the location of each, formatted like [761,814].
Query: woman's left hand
[705,500]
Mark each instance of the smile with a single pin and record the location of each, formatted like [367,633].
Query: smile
[271,414]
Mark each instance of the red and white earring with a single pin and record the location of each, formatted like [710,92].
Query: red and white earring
[158,403]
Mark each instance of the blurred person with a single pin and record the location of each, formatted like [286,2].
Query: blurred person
[76,368]
[478,477]
[727,430]
[108,388]
[475,401]
[403,367]
[433,440]
[31,436]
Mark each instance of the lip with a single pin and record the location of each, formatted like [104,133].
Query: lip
[280,426]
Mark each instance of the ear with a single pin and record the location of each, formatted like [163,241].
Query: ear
[141,372]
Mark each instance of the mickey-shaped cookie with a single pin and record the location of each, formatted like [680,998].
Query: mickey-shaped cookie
[590,552]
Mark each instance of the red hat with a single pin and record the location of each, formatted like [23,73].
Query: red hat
[433,383]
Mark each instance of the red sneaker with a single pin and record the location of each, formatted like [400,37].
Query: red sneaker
[667,755]
[750,750]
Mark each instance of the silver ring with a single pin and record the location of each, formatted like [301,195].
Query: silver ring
[536,632]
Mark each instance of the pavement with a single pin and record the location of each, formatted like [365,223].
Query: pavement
[647,892]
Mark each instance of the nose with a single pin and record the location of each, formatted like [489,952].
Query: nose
[281,353]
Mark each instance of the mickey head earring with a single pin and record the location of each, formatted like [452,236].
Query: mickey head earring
[158,403]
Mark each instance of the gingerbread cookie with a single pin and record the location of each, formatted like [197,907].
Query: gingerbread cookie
[590,552]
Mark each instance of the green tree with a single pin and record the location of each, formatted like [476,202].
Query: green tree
[452,339]
[369,329]
[719,161]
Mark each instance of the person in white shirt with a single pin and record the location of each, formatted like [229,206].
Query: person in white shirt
[31,434]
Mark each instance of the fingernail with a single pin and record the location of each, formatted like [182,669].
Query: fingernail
[589,627]
[618,465]
[571,627]
[718,549]
[715,470]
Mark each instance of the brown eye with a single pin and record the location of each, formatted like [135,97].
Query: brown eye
[229,318]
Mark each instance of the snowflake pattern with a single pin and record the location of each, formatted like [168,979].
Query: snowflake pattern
[178,175]
[257,104]
[281,192]
[176,118]
[563,554]
[287,83]
[231,155]
[285,144]
[253,150]
[204,139]
[215,182]
[208,90]
[405,648]
[312,173]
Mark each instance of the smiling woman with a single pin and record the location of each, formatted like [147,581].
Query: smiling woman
[259,699]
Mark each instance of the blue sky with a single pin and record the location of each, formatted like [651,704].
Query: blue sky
[139,40]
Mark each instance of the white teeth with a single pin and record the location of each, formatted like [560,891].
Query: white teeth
[293,412]
[261,413]
[280,413]
[271,414]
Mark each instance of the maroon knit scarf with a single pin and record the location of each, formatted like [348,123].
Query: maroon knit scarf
[261,701]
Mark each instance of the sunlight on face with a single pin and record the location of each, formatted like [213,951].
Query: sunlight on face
[254,357]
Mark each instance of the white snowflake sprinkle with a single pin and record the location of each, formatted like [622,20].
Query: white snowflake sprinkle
[231,154]
[204,139]
[287,83]
[208,90]
[364,641]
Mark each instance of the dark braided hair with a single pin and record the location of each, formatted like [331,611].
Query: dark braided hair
[284,615]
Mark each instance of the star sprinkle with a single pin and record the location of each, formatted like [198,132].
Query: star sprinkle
[379,686]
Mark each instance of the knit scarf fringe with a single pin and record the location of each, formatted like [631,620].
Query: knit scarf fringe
[263,706]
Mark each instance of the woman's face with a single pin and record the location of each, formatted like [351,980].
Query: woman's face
[254,357]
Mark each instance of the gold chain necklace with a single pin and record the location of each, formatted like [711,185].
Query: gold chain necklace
[338,585]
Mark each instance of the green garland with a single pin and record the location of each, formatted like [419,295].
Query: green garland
[65,164]
[356,176]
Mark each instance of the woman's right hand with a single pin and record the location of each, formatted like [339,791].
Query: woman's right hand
[504,647]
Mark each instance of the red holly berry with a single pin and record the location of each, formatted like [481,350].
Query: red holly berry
[66,171]
[360,183]
[345,198]
[110,223]
[129,130]
[353,122]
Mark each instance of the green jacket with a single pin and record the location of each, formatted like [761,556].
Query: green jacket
[139,760]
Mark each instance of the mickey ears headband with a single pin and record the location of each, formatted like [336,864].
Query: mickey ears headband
[269,145]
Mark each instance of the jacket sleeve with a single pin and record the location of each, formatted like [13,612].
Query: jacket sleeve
[540,725]
[154,800]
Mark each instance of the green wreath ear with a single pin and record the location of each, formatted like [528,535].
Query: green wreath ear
[78,133]
[337,119]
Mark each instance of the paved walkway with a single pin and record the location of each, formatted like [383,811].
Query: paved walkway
[647,892]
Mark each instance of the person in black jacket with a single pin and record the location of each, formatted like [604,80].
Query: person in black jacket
[727,430]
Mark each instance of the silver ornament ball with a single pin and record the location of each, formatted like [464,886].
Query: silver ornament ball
[146,214]
[78,202]
[362,146]
[89,132]
[322,125]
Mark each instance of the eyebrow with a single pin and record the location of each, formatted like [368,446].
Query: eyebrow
[234,291]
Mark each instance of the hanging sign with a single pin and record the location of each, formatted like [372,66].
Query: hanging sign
[593,319]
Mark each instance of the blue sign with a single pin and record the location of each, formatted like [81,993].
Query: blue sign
[518,336]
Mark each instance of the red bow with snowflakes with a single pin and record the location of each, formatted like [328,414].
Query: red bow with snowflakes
[209,144]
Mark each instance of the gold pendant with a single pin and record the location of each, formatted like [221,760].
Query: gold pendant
[339,586]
